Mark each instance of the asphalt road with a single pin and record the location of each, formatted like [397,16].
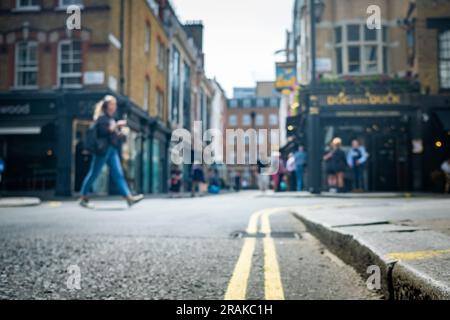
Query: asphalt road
[230,246]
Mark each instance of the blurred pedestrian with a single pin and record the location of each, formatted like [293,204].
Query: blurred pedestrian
[213,182]
[336,164]
[237,182]
[291,172]
[104,140]
[446,169]
[198,178]
[300,163]
[2,169]
[356,160]
[263,177]
[175,181]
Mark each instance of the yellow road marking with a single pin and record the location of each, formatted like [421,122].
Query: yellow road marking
[237,288]
[418,255]
[272,279]
[54,204]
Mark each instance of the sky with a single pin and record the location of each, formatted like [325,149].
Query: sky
[240,37]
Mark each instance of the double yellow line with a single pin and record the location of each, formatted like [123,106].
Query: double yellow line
[237,288]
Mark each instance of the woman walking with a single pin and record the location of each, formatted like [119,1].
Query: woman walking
[105,142]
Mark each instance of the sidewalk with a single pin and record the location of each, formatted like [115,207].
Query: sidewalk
[350,195]
[398,236]
[19,202]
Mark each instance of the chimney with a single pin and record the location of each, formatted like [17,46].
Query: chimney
[194,30]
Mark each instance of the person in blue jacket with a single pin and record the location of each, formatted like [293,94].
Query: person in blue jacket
[356,159]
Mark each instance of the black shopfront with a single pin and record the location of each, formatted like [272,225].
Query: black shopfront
[387,119]
[42,144]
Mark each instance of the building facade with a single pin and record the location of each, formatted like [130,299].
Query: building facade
[386,87]
[51,78]
[260,113]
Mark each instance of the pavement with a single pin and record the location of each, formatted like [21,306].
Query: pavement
[408,239]
[19,202]
[234,246]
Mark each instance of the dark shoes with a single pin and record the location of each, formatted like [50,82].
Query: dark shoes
[133,200]
[86,204]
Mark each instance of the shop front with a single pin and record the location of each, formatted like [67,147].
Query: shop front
[42,137]
[387,123]
[28,143]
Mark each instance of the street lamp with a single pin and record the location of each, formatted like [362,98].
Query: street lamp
[317,7]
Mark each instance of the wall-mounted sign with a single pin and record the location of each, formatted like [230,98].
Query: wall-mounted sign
[18,109]
[94,77]
[368,99]
[286,76]
[324,65]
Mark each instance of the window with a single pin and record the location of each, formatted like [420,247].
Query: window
[26,65]
[273,120]
[232,120]
[444,59]
[247,103]
[371,59]
[175,85]
[338,35]
[66,3]
[260,120]
[161,56]
[246,120]
[274,102]
[27,4]
[360,50]
[160,104]
[353,32]
[146,94]
[70,62]
[147,33]
[339,67]
[234,103]
[260,103]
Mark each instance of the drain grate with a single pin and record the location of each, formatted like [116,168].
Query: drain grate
[259,235]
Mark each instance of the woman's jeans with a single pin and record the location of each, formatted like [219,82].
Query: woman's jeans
[113,160]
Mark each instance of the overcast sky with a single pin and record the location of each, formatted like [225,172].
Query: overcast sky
[240,37]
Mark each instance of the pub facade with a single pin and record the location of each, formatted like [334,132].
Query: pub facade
[387,87]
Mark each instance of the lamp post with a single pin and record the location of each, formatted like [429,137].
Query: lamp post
[313,127]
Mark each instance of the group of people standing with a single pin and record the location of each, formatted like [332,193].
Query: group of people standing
[337,162]
[288,177]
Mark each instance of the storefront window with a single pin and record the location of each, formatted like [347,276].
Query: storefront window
[156,183]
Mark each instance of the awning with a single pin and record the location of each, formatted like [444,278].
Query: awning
[9,128]
[444,118]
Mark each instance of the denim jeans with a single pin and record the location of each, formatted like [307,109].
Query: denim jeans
[300,173]
[112,159]
[358,177]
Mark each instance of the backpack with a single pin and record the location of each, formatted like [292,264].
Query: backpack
[95,144]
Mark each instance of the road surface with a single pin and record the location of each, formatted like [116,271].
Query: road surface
[234,246]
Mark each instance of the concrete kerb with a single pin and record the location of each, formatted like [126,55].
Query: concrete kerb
[19,202]
[399,281]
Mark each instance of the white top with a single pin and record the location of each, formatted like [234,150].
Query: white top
[446,167]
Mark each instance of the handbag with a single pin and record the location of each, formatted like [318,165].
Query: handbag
[95,144]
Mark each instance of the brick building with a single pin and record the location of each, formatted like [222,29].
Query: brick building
[51,78]
[259,112]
